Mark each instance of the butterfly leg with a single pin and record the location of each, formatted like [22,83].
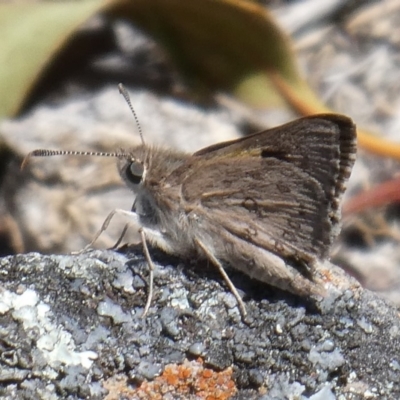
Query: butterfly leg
[231,286]
[144,243]
[151,271]
[118,242]
[105,226]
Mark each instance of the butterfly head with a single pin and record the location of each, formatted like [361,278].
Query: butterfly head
[132,167]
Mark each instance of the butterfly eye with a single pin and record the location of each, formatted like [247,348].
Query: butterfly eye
[134,172]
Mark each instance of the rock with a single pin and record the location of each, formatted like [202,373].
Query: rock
[69,328]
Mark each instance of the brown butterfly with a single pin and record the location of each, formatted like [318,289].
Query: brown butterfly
[267,204]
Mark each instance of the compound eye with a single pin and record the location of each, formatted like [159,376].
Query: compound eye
[134,172]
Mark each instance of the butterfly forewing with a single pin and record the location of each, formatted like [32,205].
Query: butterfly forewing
[282,185]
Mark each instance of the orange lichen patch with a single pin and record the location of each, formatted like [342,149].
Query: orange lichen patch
[191,380]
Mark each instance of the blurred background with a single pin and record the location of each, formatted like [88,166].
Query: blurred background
[198,72]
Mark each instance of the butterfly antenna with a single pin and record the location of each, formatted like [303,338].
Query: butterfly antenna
[125,93]
[48,153]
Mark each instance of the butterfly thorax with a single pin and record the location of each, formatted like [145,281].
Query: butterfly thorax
[158,199]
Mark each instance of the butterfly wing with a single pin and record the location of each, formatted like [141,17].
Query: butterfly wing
[279,189]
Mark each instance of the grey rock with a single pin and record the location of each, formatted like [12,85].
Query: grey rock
[66,326]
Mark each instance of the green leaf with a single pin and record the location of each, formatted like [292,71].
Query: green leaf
[31,35]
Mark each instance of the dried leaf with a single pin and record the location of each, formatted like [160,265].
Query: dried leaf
[226,45]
